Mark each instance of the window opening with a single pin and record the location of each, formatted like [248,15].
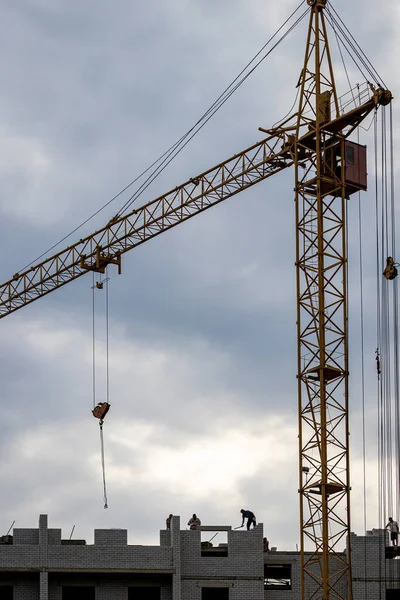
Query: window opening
[349,155]
[277,577]
[6,592]
[144,593]
[214,543]
[78,592]
[214,593]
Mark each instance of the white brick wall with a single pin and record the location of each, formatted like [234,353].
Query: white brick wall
[38,570]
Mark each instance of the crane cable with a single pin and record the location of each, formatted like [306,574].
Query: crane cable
[178,146]
[103,464]
[384,404]
[93,342]
[396,391]
[378,332]
[396,310]
[352,47]
[362,342]
[387,333]
[209,114]
[100,409]
[343,61]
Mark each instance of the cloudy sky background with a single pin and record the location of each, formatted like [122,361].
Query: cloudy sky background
[202,320]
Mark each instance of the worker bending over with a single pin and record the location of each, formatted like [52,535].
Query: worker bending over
[250,516]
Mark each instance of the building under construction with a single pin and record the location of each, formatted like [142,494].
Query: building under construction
[38,564]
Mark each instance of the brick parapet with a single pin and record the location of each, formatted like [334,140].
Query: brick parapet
[180,559]
[25,536]
[245,555]
[110,537]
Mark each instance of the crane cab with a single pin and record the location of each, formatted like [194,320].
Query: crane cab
[355,160]
[355,168]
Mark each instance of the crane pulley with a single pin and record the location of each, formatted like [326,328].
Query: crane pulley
[390,271]
[100,411]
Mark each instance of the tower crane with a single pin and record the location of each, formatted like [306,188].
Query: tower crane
[328,168]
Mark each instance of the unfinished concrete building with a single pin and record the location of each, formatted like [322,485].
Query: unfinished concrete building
[37,564]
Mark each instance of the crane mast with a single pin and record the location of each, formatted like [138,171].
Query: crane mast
[320,201]
[315,140]
[321,192]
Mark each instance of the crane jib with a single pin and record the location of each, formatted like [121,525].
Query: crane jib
[262,160]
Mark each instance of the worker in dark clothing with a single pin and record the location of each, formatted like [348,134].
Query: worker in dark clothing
[250,516]
[266,544]
[168,521]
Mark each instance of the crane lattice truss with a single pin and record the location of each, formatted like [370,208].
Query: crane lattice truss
[314,142]
[322,327]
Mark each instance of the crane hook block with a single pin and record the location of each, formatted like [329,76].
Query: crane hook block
[101,410]
[390,271]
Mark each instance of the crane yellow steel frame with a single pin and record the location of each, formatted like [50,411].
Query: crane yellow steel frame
[314,143]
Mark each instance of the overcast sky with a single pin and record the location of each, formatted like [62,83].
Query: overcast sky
[202,321]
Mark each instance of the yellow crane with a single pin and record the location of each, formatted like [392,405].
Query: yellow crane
[328,169]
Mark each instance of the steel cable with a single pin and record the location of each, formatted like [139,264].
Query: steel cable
[165,158]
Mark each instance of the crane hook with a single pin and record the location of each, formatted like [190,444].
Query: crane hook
[390,271]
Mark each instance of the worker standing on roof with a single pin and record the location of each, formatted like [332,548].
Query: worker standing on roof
[194,522]
[250,516]
[394,530]
[168,521]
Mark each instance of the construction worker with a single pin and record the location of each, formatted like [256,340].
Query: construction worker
[266,544]
[250,516]
[394,530]
[194,522]
[168,521]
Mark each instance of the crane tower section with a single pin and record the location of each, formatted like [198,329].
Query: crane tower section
[328,169]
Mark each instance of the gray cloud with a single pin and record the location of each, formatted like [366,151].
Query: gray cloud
[202,331]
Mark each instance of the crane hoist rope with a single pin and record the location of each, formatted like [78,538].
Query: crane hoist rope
[387,353]
[100,409]
[363,371]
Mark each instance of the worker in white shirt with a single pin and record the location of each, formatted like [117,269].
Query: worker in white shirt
[194,522]
[394,530]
